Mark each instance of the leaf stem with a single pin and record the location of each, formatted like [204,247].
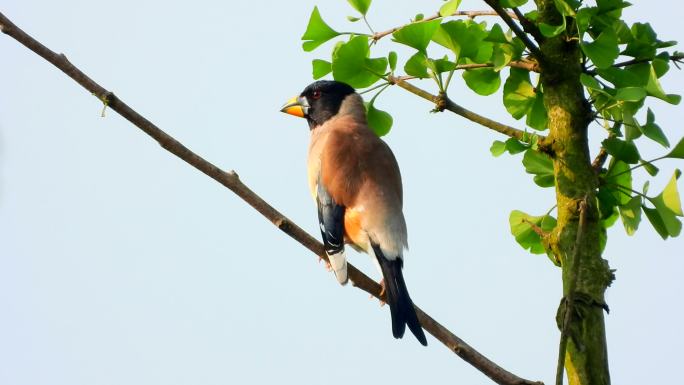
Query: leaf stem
[375,88]
[645,162]
[368,25]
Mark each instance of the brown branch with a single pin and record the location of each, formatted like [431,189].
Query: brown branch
[505,16]
[673,58]
[444,103]
[528,26]
[471,14]
[232,182]
[528,65]
[600,160]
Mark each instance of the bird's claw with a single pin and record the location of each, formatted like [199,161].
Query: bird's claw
[382,292]
[328,266]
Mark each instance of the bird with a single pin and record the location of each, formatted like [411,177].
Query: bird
[355,181]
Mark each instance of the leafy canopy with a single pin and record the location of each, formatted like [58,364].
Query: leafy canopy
[623,66]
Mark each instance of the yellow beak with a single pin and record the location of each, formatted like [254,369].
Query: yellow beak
[295,106]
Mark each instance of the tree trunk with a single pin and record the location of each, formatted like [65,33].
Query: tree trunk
[569,113]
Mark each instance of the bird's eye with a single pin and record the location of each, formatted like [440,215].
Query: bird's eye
[316,94]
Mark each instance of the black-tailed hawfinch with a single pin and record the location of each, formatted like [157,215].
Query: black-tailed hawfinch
[355,181]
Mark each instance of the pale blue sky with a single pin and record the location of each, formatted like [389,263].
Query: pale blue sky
[120,264]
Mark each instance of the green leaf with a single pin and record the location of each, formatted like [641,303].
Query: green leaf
[392,59]
[611,5]
[512,3]
[591,83]
[449,7]
[604,50]
[360,5]
[632,127]
[661,64]
[618,174]
[622,150]
[352,65]
[549,30]
[465,38]
[321,68]
[502,54]
[484,81]
[656,221]
[630,94]
[537,117]
[497,35]
[643,43]
[417,35]
[564,8]
[518,93]
[649,167]
[317,32]
[630,214]
[353,19]
[441,65]
[522,229]
[512,145]
[670,196]
[541,166]
[606,204]
[583,18]
[416,65]
[669,206]
[677,151]
[497,148]
[652,131]
[379,121]
[544,180]
[654,89]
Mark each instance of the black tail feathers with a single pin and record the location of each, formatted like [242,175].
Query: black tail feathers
[398,299]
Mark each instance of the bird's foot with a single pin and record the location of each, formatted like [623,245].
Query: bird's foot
[328,266]
[382,292]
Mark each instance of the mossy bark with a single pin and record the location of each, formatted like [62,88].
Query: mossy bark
[586,359]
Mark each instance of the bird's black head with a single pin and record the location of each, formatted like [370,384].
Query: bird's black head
[319,101]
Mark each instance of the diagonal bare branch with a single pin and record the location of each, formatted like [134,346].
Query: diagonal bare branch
[232,181]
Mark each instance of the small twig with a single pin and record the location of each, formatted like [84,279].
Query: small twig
[232,182]
[470,115]
[674,58]
[538,230]
[471,14]
[506,17]
[528,65]
[600,160]
[572,285]
[637,166]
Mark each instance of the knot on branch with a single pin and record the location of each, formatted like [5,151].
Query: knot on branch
[283,224]
[440,102]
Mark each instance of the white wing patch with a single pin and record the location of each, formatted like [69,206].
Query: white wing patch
[338,262]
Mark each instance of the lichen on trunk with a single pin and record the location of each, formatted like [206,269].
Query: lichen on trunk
[569,113]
